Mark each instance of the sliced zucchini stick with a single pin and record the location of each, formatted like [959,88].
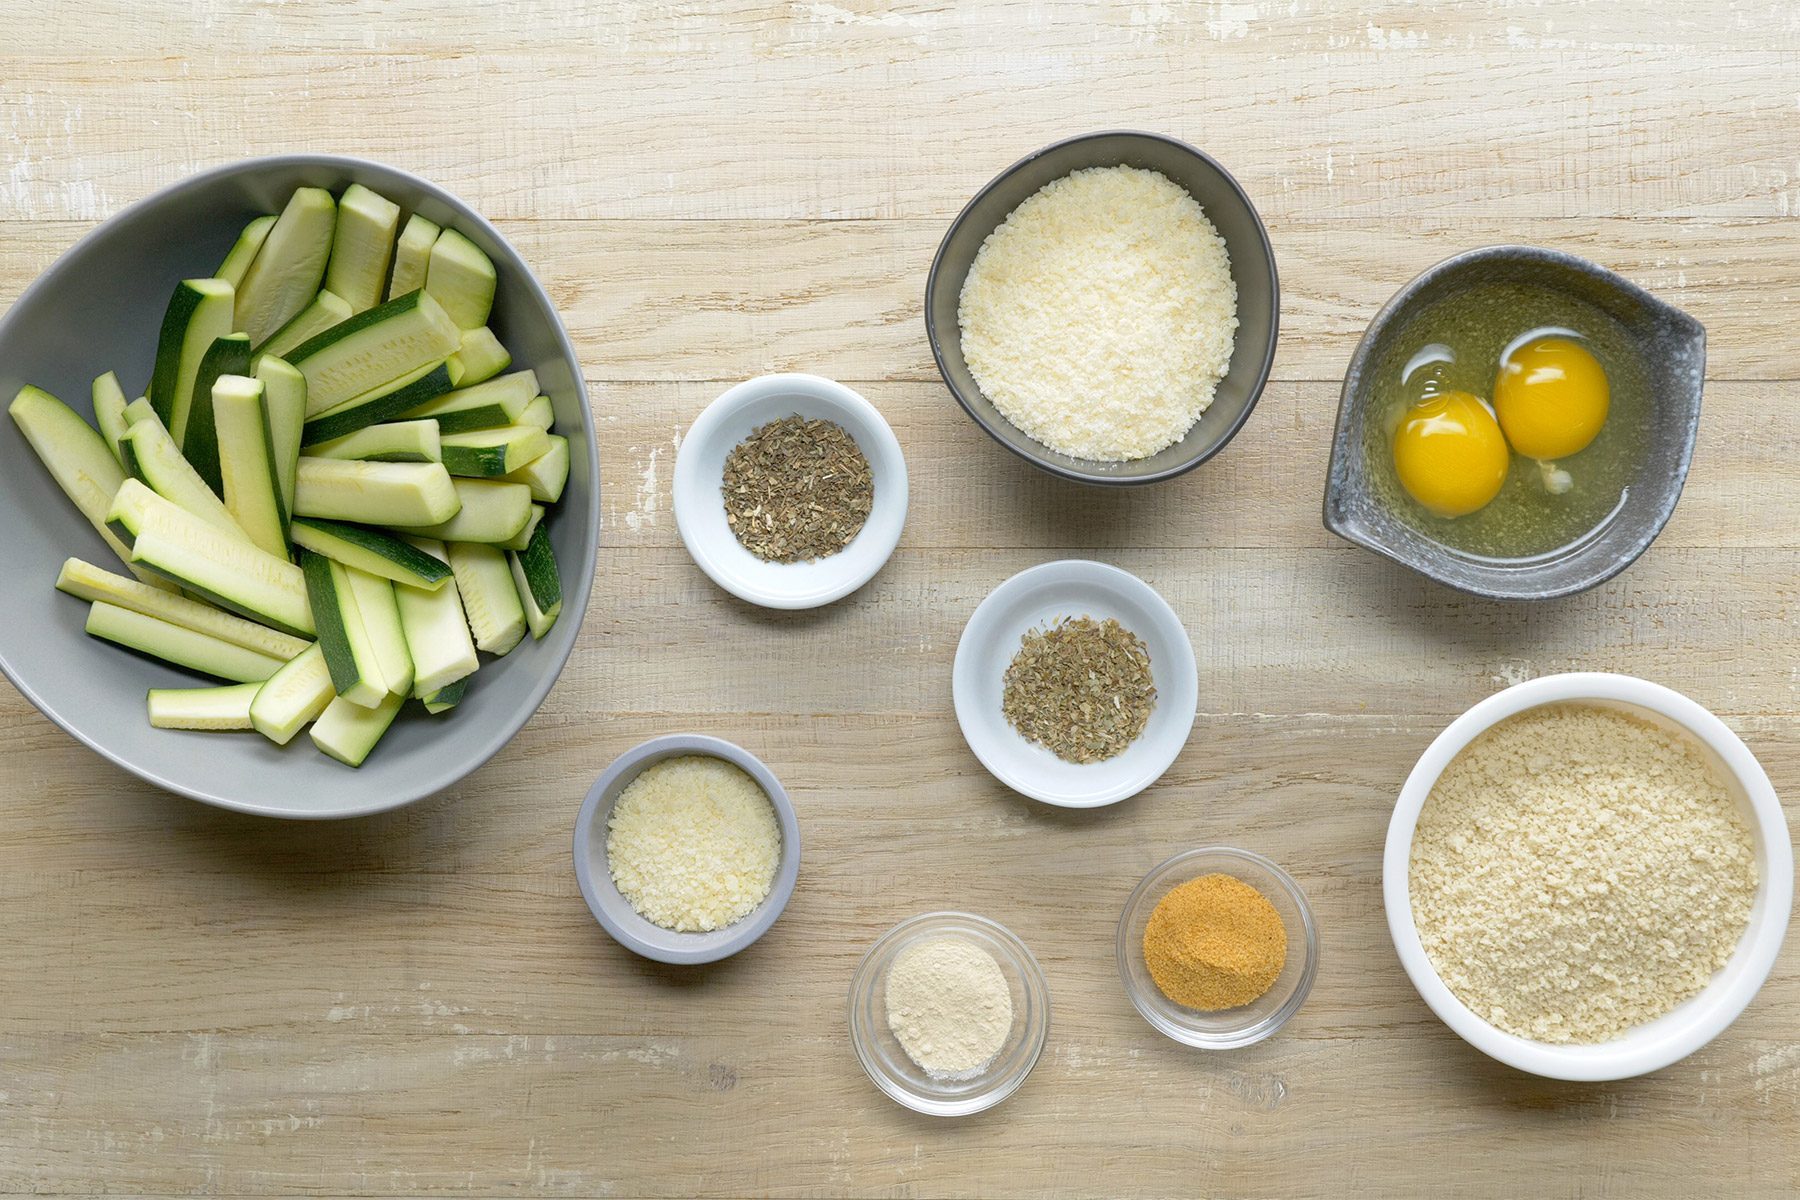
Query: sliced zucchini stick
[437,630]
[182,647]
[285,273]
[374,348]
[400,441]
[284,391]
[412,256]
[207,708]
[109,413]
[496,616]
[348,732]
[381,622]
[229,355]
[198,315]
[243,251]
[373,551]
[151,456]
[540,590]
[490,453]
[349,654]
[85,581]
[499,401]
[447,697]
[378,404]
[478,359]
[247,461]
[539,412]
[491,511]
[524,537]
[292,696]
[546,475]
[462,278]
[378,493]
[362,247]
[79,461]
[327,309]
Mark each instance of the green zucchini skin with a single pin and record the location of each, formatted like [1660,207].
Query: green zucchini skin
[229,355]
[381,404]
[370,550]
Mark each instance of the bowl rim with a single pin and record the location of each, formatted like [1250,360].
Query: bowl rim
[1118,581]
[1257,386]
[862,977]
[1759,947]
[575,592]
[1341,450]
[637,933]
[1269,1025]
[832,395]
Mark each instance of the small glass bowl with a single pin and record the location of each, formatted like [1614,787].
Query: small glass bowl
[886,1061]
[1231,1027]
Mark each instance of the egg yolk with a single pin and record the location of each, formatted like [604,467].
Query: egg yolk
[1449,454]
[1551,397]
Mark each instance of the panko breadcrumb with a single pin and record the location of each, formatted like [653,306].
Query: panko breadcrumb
[1578,871]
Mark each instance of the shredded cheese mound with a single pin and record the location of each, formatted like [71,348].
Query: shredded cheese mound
[693,844]
[1100,315]
[1578,871]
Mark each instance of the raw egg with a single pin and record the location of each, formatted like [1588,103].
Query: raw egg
[1449,454]
[1551,397]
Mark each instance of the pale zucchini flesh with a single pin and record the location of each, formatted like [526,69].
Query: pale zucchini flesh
[348,732]
[398,441]
[287,270]
[204,708]
[490,511]
[178,646]
[539,412]
[151,454]
[540,590]
[78,460]
[462,278]
[85,581]
[109,412]
[437,630]
[198,315]
[489,596]
[325,311]
[229,355]
[479,358]
[490,453]
[284,391]
[524,538]
[252,477]
[548,474]
[374,348]
[371,550]
[377,493]
[499,401]
[362,247]
[349,653]
[412,255]
[293,696]
[381,622]
[378,404]
[243,251]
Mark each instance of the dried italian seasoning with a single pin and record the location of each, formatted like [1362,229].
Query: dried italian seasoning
[797,489]
[1081,689]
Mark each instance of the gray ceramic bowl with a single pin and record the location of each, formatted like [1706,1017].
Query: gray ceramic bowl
[1252,267]
[97,309]
[1672,346]
[615,913]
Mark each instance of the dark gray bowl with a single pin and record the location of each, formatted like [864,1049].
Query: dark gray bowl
[1673,348]
[97,309]
[1252,267]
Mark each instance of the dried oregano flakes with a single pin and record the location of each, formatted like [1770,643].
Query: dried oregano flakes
[1080,688]
[797,489]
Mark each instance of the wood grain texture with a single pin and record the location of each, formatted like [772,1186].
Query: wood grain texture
[194,1002]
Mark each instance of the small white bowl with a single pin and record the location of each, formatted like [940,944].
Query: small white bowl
[1693,1024]
[1035,598]
[700,505]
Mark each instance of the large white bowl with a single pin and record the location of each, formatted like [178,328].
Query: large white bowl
[98,308]
[1676,1034]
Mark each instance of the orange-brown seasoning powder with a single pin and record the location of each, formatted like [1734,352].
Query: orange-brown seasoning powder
[1214,943]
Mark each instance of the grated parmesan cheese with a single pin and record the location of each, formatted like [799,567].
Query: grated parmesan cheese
[1100,315]
[693,843]
[1578,871]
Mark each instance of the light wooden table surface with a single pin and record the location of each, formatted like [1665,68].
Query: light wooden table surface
[194,1002]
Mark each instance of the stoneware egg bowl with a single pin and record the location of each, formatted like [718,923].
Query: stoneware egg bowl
[1672,346]
[1227,206]
[99,308]
[1034,599]
[615,913]
[700,505]
[1695,1022]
